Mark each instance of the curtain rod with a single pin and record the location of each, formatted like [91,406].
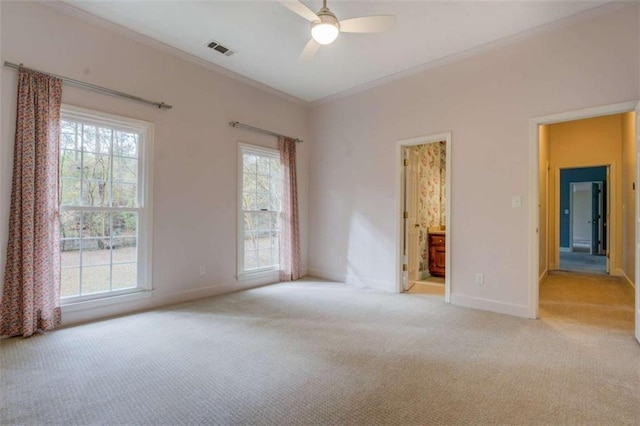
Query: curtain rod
[255,129]
[93,87]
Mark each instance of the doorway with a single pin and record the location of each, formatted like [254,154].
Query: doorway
[584,215]
[424,207]
[621,201]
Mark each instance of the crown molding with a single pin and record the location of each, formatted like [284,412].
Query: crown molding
[478,50]
[87,17]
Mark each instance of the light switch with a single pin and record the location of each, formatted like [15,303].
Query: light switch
[516,201]
[566,211]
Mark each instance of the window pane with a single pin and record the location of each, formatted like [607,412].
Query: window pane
[263,199]
[125,170]
[264,242]
[125,144]
[95,224]
[96,180]
[89,139]
[248,182]
[249,163]
[96,251]
[275,168]
[70,163]
[263,165]
[125,195]
[124,250]
[70,192]
[70,253]
[124,224]
[248,201]
[124,276]
[250,260]
[95,279]
[103,144]
[70,282]
[69,224]
[264,258]
[67,127]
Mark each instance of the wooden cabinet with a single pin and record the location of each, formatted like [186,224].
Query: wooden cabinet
[437,247]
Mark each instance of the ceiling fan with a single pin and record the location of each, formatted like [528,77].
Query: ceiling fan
[325,27]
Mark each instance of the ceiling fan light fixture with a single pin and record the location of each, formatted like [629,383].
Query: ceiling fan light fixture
[326,30]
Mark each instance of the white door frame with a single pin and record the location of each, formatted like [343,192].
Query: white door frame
[534,190]
[400,208]
[637,219]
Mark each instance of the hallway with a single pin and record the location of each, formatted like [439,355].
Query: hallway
[596,301]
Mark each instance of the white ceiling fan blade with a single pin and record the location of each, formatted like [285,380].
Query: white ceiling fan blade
[309,50]
[368,24]
[299,8]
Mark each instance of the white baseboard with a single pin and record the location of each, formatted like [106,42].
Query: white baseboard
[629,280]
[543,275]
[490,305]
[157,300]
[565,249]
[618,272]
[363,282]
[327,275]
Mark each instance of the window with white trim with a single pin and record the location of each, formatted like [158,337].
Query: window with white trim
[259,193]
[104,205]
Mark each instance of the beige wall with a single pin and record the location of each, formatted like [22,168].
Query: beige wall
[584,143]
[195,158]
[628,194]
[487,101]
[543,181]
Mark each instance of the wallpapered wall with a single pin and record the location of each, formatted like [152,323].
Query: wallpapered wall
[432,199]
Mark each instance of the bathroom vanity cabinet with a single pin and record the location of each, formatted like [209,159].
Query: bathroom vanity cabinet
[437,247]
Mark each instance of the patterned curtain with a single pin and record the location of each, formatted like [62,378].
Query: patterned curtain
[290,220]
[30,296]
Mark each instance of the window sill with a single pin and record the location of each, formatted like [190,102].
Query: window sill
[105,301]
[261,276]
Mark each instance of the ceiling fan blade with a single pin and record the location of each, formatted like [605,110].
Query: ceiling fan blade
[368,24]
[299,8]
[309,50]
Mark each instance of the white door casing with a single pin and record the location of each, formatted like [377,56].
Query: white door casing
[534,194]
[400,203]
[637,245]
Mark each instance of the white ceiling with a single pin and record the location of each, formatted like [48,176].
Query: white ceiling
[268,38]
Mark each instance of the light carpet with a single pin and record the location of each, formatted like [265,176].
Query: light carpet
[316,353]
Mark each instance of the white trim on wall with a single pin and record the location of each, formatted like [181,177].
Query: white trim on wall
[534,190]
[421,140]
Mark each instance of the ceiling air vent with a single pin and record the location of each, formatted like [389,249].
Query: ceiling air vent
[220,48]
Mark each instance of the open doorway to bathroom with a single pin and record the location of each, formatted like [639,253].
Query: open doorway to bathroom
[425,210]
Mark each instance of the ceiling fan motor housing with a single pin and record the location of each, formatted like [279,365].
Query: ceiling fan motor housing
[326,29]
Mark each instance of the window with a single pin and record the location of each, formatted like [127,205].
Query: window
[259,206]
[104,205]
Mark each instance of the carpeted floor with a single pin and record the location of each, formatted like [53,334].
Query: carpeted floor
[583,262]
[314,353]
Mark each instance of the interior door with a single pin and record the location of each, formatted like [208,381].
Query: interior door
[413,226]
[637,223]
[405,228]
[595,217]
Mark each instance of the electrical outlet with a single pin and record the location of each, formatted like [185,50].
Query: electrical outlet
[203,270]
[479,278]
